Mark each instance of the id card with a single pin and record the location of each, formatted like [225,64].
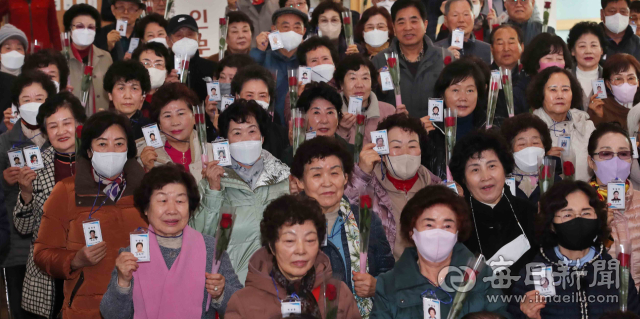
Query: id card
[544,284]
[221,152]
[33,157]
[436,108]
[152,135]
[431,308]
[290,305]
[635,147]
[511,182]
[599,88]
[457,39]
[16,116]
[304,75]
[15,158]
[453,187]
[92,232]
[615,195]
[496,77]
[213,90]
[133,45]
[310,135]
[565,143]
[226,101]
[140,246]
[387,84]
[355,104]
[121,26]
[381,140]
[275,40]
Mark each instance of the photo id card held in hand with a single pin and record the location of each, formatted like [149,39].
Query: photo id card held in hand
[511,182]
[33,157]
[92,232]
[121,26]
[599,88]
[436,108]
[221,152]
[213,90]
[565,143]
[226,101]
[385,78]
[544,283]
[15,157]
[457,39]
[275,40]
[304,75]
[355,103]
[15,116]
[139,242]
[152,135]
[615,195]
[381,140]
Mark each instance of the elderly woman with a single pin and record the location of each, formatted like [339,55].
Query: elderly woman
[374,30]
[529,140]
[435,222]
[290,263]
[356,76]
[326,20]
[322,167]
[250,183]
[322,106]
[572,235]
[107,175]
[83,20]
[171,109]
[461,85]
[57,118]
[502,223]
[156,59]
[621,81]
[587,44]
[152,28]
[554,94]
[168,196]
[397,178]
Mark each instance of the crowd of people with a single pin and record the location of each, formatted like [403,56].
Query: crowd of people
[522,202]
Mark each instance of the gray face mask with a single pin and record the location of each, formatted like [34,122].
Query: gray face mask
[225,88]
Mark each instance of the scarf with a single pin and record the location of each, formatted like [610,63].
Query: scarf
[113,188]
[602,191]
[527,182]
[251,175]
[402,185]
[34,134]
[374,51]
[303,288]
[159,292]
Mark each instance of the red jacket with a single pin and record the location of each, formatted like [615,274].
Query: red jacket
[37,20]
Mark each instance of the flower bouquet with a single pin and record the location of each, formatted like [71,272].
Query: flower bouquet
[394,71]
[348,27]
[507,85]
[223,237]
[223,38]
[201,129]
[546,171]
[85,85]
[366,209]
[450,128]
[359,139]
[66,45]
[545,16]
[470,277]
[168,9]
[493,99]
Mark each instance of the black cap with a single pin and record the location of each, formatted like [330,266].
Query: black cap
[181,20]
[289,10]
[138,2]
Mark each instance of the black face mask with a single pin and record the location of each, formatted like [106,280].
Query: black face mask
[578,233]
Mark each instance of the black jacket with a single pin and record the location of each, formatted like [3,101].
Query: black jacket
[6,81]
[137,122]
[276,140]
[519,82]
[630,43]
[198,69]
[118,51]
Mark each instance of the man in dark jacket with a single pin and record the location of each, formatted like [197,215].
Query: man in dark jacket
[109,38]
[615,23]
[458,14]
[521,14]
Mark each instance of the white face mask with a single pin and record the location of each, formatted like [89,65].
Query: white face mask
[376,38]
[185,46]
[403,166]
[160,40]
[108,164]
[434,245]
[29,112]
[330,30]
[322,72]
[57,86]
[83,37]
[616,23]
[385,4]
[157,77]
[476,10]
[290,40]
[527,158]
[246,152]
[265,105]
[12,60]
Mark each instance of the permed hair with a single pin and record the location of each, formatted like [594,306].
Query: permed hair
[321,147]
[161,176]
[472,146]
[59,101]
[43,59]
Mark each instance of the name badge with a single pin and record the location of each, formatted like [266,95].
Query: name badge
[221,152]
[565,143]
[381,140]
[15,157]
[387,84]
[511,182]
[355,104]
[139,243]
[33,157]
[615,195]
[213,91]
[226,101]
[92,232]
[545,284]
[290,305]
[436,108]
[430,306]
[152,135]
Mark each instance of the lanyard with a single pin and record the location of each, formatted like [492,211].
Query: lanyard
[95,200]
[23,142]
[332,233]
[294,295]
[151,231]
[430,291]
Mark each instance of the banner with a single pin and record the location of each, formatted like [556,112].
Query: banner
[207,14]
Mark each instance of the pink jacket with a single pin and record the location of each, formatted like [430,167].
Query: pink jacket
[632,217]
[376,113]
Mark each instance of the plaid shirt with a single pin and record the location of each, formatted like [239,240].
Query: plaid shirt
[37,289]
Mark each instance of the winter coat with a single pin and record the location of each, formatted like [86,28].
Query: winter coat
[38,19]
[631,217]
[630,43]
[586,96]
[101,63]
[258,299]
[612,111]
[531,28]
[250,204]
[580,127]
[61,235]
[398,292]
[375,113]
[632,122]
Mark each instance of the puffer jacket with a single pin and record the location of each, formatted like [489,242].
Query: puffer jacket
[632,122]
[61,235]
[249,205]
[258,299]
[375,113]
[631,217]
[580,127]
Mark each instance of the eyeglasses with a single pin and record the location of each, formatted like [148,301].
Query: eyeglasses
[619,80]
[127,9]
[607,155]
[157,65]
[81,26]
[567,216]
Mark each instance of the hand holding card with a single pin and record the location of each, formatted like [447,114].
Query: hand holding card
[381,140]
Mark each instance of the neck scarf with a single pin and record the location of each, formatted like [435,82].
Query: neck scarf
[602,191]
[527,181]
[303,288]
[35,135]
[113,188]
[374,51]
[162,293]
[401,185]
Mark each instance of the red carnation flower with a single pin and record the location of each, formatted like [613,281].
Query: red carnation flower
[360,119]
[546,172]
[299,122]
[494,86]
[449,121]
[223,21]
[149,9]
[392,62]
[331,292]
[447,60]
[293,81]
[505,78]
[79,131]
[547,4]
[88,70]
[347,20]
[365,201]
[568,168]
[225,222]
[624,259]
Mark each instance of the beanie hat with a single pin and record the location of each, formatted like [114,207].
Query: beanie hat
[8,31]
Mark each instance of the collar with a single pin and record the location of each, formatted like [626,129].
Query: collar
[578,262]
[425,47]
[628,34]
[374,51]
[403,185]
[14,72]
